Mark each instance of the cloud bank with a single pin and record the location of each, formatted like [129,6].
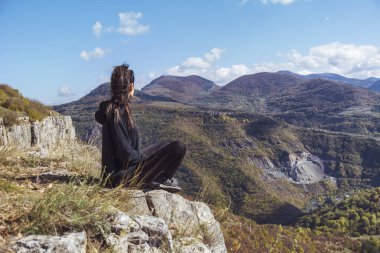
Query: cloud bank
[351,60]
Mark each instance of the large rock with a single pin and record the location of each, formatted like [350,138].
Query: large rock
[174,224]
[139,234]
[187,218]
[48,133]
[73,242]
[53,131]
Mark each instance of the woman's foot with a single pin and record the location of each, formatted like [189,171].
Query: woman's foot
[170,185]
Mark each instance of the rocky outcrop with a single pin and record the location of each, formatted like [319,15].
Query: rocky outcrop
[173,224]
[69,243]
[303,168]
[48,133]
[188,219]
[159,221]
[139,234]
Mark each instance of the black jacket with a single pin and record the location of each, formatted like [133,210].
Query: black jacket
[120,146]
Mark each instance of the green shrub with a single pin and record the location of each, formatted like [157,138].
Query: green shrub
[3,97]
[370,246]
[13,100]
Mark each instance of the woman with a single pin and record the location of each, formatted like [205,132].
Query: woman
[122,161]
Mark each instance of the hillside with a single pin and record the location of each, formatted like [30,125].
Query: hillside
[375,86]
[353,215]
[182,89]
[13,105]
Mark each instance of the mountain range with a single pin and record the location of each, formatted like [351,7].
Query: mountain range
[366,83]
[265,144]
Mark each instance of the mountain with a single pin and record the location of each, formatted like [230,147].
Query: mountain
[83,109]
[279,92]
[337,78]
[375,86]
[318,103]
[180,88]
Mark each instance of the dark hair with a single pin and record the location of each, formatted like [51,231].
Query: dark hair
[121,80]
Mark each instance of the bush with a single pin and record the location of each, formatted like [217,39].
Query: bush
[3,97]
[13,100]
[370,246]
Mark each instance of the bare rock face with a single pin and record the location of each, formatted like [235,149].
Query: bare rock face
[303,168]
[73,242]
[48,133]
[187,219]
[139,234]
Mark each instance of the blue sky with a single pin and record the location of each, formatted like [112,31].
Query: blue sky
[57,51]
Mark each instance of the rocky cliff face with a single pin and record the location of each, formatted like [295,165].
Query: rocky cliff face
[48,133]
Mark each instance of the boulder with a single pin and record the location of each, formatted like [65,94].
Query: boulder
[187,218]
[72,242]
[139,234]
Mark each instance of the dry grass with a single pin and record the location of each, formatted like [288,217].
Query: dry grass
[80,158]
[55,207]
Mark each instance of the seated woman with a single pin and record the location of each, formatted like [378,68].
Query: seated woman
[122,161]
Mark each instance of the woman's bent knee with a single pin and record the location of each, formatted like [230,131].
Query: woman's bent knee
[179,147]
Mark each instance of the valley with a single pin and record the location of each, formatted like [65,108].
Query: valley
[246,139]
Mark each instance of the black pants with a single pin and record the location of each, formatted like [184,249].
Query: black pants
[161,161]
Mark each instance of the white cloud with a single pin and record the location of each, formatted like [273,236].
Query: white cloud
[196,64]
[204,67]
[65,91]
[214,54]
[97,53]
[129,24]
[97,29]
[351,60]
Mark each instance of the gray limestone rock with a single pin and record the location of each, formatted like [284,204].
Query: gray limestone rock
[48,133]
[190,245]
[139,234]
[187,218]
[73,242]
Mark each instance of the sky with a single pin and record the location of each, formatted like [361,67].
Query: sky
[58,51]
